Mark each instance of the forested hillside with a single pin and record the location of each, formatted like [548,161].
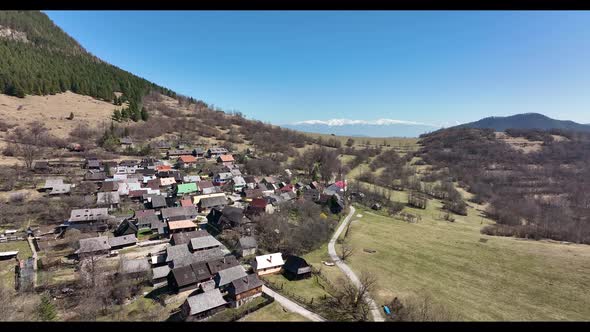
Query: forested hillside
[541,194]
[38,58]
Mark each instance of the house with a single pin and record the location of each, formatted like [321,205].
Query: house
[126,142]
[244,289]
[157,201]
[250,194]
[203,305]
[163,168]
[235,171]
[206,187]
[247,246]
[179,152]
[287,188]
[120,242]
[268,264]
[239,183]
[206,204]
[131,184]
[222,263]
[222,178]
[250,181]
[186,188]
[177,226]
[296,268]
[160,276]
[269,180]
[92,164]
[41,165]
[224,277]
[179,213]
[108,199]
[138,194]
[258,206]
[192,178]
[51,183]
[61,189]
[204,243]
[188,277]
[226,217]
[311,194]
[216,152]
[176,251]
[185,237]
[88,215]
[95,176]
[160,145]
[168,181]
[199,152]
[108,186]
[265,191]
[93,246]
[187,161]
[6,255]
[126,227]
[186,202]
[153,184]
[225,160]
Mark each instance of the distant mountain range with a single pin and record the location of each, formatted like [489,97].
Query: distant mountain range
[526,121]
[364,129]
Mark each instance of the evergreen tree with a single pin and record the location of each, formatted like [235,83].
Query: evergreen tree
[116,115]
[47,311]
[144,114]
[124,114]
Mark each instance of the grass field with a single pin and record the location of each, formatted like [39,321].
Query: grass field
[501,279]
[273,313]
[393,142]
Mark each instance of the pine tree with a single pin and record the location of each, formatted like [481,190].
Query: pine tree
[125,114]
[47,311]
[144,114]
[116,115]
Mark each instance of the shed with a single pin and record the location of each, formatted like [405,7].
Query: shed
[296,268]
[203,304]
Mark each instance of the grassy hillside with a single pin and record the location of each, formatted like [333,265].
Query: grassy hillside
[501,279]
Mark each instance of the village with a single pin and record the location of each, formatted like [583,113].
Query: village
[184,224]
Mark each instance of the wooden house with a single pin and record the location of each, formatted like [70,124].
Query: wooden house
[268,264]
[243,290]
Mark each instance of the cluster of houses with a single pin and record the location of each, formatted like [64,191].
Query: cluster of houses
[184,195]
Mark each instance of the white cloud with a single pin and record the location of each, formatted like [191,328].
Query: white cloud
[378,122]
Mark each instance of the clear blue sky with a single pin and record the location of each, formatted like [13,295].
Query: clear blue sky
[434,67]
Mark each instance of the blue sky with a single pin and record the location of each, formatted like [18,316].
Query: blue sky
[436,67]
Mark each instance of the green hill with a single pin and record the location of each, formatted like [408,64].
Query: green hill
[38,58]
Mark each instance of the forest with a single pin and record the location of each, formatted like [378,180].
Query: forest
[47,61]
[542,194]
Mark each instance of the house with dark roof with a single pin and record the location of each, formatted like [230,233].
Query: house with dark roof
[179,213]
[228,217]
[296,268]
[224,277]
[222,263]
[157,202]
[120,242]
[145,218]
[135,268]
[93,246]
[126,227]
[160,276]
[206,204]
[243,290]
[257,207]
[247,246]
[178,153]
[215,152]
[203,305]
[199,152]
[188,277]
[95,176]
[185,237]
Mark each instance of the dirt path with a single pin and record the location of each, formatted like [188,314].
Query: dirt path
[292,306]
[347,271]
[34,251]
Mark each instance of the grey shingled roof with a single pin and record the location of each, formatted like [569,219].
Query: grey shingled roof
[60,189]
[226,276]
[122,240]
[186,212]
[248,242]
[160,272]
[176,252]
[198,257]
[204,242]
[245,284]
[185,237]
[213,201]
[94,244]
[88,214]
[158,201]
[205,301]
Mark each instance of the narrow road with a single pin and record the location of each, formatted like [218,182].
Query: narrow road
[292,306]
[375,311]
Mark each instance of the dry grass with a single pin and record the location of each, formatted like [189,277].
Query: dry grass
[273,312]
[501,279]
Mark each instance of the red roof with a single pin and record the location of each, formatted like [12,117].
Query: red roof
[258,203]
[340,184]
[226,158]
[144,213]
[287,188]
[188,159]
[153,184]
[161,168]
[186,202]
[137,193]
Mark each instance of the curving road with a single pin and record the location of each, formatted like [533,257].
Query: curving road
[292,306]
[347,271]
